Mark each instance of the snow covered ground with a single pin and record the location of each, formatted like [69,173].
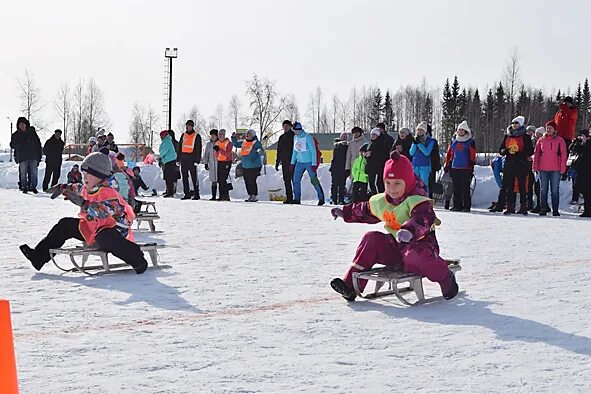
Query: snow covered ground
[246,307]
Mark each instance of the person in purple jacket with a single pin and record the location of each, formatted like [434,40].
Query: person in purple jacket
[409,219]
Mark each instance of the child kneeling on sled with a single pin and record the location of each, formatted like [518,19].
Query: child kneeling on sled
[409,219]
[104,218]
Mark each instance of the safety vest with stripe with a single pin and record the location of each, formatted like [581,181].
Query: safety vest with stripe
[394,216]
[188,142]
[221,154]
[246,148]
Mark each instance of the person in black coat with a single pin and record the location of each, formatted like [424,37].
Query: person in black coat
[582,147]
[27,146]
[284,152]
[435,161]
[189,148]
[53,150]
[517,149]
[377,154]
[404,142]
[337,170]
[389,140]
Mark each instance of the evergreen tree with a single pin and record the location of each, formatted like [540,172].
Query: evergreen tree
[537,109]
[522,105]
[489,127]
[448,104]
[579,104]
[377,108]
[586,107]
[559,96]
[427,110]
[475,115]
[462,107]
[388,111]
[500,120]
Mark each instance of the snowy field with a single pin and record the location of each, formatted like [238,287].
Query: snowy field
[246,306]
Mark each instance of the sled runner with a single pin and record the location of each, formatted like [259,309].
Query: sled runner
[385,275]
[84,252]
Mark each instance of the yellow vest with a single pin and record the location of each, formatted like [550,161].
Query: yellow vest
[394,216]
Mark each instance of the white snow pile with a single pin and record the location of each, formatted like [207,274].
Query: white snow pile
[486,189]
[247,307]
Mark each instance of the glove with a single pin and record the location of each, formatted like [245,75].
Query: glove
[336,213]
[314,168]
[277,167]
[216,148]
[403,235]
[206,167]
[57,190]
[292,168]
[347,173]
[76,199]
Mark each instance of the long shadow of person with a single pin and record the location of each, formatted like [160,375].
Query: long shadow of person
[141,288]
[466,312]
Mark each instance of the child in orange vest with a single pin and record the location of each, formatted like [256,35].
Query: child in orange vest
[409,219]
[104,219]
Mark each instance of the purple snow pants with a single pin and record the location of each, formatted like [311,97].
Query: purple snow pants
[418,257]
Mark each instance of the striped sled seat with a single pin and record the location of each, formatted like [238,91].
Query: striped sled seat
[146,212]
[85,252]
[393,278]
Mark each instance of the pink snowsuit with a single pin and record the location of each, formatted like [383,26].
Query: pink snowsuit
[420,256]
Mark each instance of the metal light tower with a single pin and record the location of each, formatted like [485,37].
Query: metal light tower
[169,54]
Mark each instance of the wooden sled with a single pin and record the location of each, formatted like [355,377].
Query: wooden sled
[384,275]
[147,207]
[84,252]
[146,217]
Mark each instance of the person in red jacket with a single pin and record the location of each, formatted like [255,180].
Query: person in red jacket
[566,119]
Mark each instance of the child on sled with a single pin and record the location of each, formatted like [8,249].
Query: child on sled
[410,242]
[104,219]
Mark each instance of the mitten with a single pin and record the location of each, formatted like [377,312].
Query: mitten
[336,213]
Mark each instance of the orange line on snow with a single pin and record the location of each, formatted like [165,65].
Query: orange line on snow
[230,312]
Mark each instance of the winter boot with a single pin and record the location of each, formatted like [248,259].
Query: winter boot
[214,191]
[449,286]
[186,197]
[32,256]
[288,202]
[343,289]
[492,206]
[446,205]
[537,209]
[141,267]
[296,202]
[543,212]
[255,198]
[522,210]
[196,196]
[320,202]
[555,213]
[510,210]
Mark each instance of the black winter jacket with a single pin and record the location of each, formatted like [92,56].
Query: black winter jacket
[53,150]
[26,144]
[339,158]
[285,148]
[380,153]
[194,156]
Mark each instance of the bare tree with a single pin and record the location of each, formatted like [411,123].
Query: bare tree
[150,120]
[137,128]
[265,102]
[512,78]
[334,113]
[315,107]
[78,111]
[30,99]
[234,111]
[196,116]
[63,107]
[291,108]
[95,110]
[344,113]
[219,116]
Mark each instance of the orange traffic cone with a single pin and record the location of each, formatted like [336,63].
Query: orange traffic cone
[8,380]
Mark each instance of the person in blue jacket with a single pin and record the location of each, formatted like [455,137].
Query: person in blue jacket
[421,153]
[167,153]
[251,156]
[304,158]
[497,165]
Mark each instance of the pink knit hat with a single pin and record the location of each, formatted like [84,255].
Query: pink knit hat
[399,167]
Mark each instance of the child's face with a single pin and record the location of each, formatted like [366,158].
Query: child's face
[136,172]
[90,180]
[395,187]
[461,132]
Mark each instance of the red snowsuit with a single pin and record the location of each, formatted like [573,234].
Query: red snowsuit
[419,256]
[566,120]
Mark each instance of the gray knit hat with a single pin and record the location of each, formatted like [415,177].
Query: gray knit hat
[97,164]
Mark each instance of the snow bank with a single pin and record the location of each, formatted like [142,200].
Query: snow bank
[485,192]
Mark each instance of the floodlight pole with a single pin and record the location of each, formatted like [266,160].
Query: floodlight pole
[170,54]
